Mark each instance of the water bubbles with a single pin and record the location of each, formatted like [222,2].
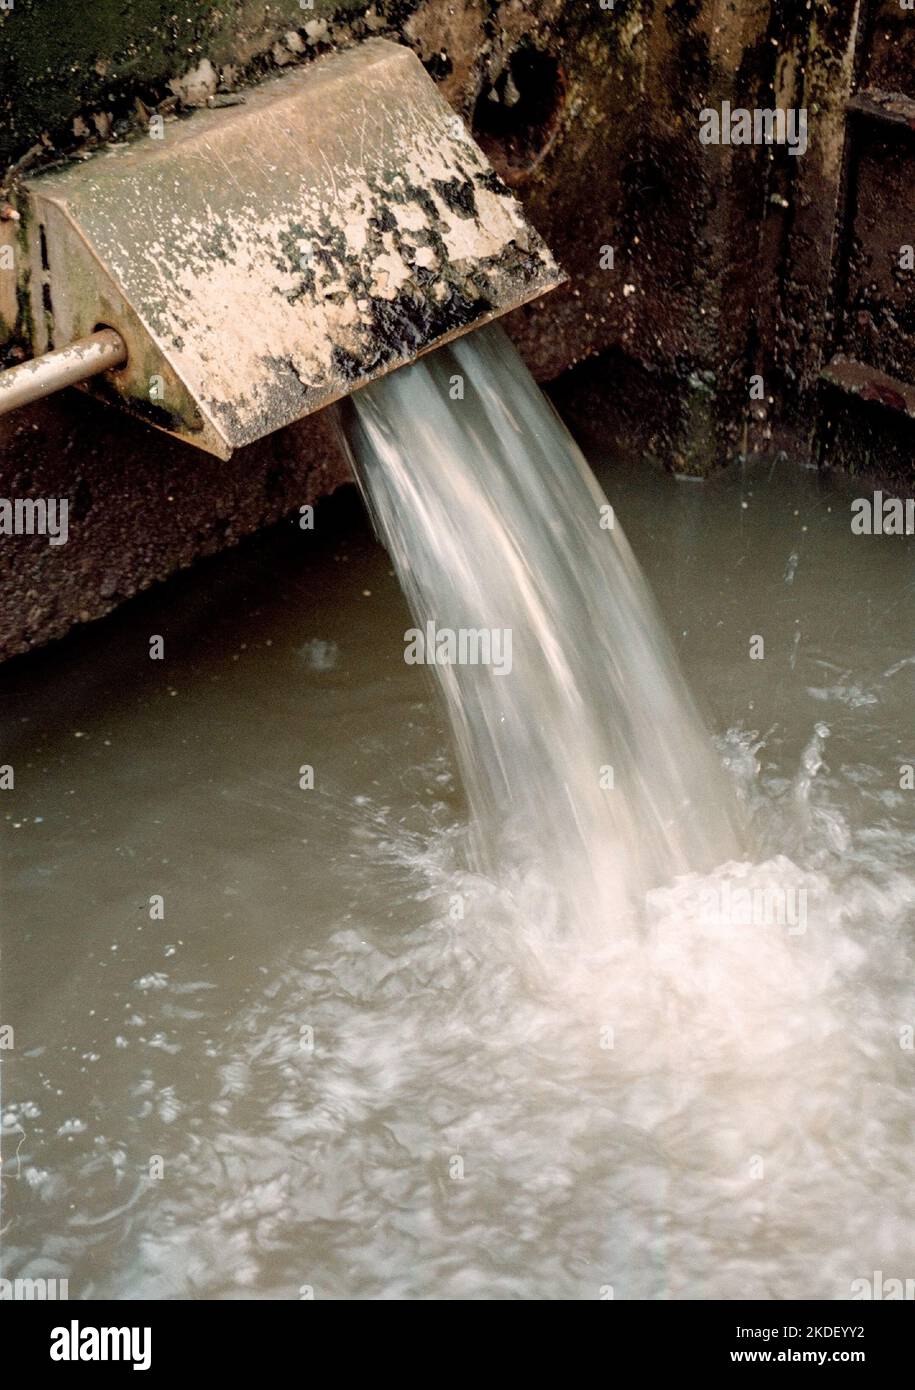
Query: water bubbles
[319,655]
[71,1127]
[155,980]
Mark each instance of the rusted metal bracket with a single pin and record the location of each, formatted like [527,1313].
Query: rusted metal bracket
[260,261]
[869,384]
[890,108]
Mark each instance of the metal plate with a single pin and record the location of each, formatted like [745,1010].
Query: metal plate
[262,260]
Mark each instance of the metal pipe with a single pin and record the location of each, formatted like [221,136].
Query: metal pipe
[63,367]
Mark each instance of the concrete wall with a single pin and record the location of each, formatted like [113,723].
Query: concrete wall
[723,257]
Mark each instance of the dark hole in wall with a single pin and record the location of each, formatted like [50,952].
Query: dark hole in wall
[866,438]
[439,66]
[517,115]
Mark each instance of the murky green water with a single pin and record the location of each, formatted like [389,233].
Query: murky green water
[342,1062]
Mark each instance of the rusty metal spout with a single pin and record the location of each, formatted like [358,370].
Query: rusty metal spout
[260,261]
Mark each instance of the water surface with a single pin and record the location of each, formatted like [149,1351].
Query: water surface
[365,1070]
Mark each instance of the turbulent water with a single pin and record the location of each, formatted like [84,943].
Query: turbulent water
[598,1046]
[586,767]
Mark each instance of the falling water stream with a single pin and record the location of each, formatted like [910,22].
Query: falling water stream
[471,1017]
[586,767]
